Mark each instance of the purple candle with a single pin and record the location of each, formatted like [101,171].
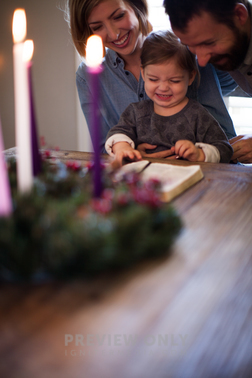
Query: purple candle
[94,53]
[36,158]
[5,196]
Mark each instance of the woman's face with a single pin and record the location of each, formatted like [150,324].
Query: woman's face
[117,24]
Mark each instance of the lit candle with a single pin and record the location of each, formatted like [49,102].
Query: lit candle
[36,159]
[22,116]
[5,196]
[94,55]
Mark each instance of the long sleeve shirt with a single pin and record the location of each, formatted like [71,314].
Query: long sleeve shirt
[141,124]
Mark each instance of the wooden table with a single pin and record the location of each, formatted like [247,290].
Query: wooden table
[189,315]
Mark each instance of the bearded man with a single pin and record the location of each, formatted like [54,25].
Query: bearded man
[219,32]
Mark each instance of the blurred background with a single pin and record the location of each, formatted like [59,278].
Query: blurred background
[53,73]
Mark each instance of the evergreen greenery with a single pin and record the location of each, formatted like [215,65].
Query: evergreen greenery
[60,230]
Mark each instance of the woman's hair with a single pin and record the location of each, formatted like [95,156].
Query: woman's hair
[161,46]
[78,12]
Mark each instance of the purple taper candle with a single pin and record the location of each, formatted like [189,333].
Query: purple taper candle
[94,53]
[36,158]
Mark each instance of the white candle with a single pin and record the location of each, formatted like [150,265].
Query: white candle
[21,93]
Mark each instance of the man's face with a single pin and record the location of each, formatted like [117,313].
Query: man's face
[214,43]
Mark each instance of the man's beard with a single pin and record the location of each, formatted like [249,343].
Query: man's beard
[236,55]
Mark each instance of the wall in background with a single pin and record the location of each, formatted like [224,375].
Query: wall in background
[58,115]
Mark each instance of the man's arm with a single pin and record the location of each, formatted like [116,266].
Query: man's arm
[210,96]
[227,83]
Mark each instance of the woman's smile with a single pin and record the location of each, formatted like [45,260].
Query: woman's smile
[123,41]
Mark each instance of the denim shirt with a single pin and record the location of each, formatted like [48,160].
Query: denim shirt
[119,88]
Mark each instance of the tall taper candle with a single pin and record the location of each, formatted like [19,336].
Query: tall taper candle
[5,196]
[94,54]
[22,117]
[36,158]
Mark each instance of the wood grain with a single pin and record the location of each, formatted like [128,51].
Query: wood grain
[190,314]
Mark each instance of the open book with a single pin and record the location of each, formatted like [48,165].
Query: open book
[174,179]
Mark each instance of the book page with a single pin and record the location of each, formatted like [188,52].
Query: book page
[174,179]
[137,167]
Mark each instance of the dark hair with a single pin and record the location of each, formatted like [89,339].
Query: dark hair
[181,12]
[161,46]
[78,12]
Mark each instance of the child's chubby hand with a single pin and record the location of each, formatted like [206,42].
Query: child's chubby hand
[123,150]
[187,150]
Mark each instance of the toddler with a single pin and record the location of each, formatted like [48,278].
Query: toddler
[168,119]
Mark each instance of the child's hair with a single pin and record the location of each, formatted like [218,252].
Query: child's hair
[161,46]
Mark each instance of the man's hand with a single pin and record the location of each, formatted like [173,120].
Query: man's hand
[242,146]
[157,155]
[187,150]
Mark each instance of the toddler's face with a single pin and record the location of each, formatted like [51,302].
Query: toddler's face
[166,85]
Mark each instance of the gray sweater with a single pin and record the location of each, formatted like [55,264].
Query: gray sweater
[193,122]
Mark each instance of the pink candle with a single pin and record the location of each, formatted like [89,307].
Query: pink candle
[5,196]
[94,53]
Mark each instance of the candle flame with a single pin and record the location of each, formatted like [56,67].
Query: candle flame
[94,51]
[19,25]
[28,50]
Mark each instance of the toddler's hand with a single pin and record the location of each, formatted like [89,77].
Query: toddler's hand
[187,150]
[123,150]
